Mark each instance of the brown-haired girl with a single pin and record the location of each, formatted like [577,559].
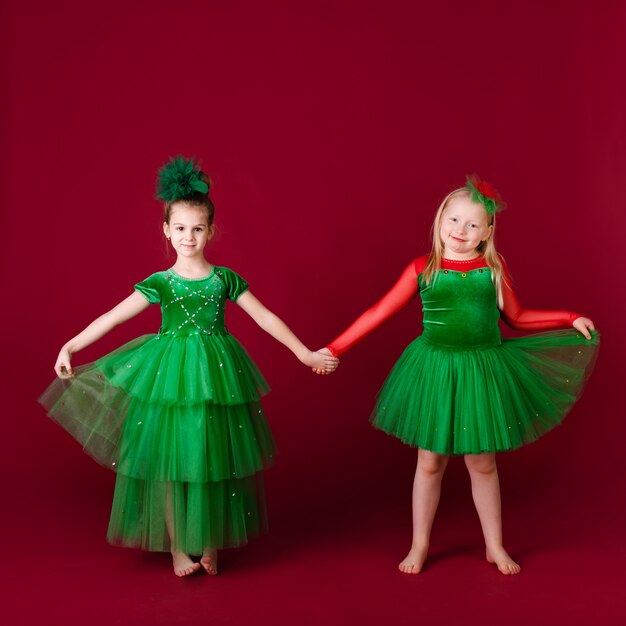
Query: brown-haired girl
[177,414]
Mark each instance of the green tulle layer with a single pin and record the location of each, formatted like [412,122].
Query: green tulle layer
[205,442]
[485,400]
[180,421]
[202,515]
[184,369]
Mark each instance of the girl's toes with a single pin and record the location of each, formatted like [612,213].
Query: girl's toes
[209,564]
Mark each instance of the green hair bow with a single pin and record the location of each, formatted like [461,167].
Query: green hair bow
[484,193]
[179,179]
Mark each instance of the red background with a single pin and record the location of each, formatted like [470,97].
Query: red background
[331,131]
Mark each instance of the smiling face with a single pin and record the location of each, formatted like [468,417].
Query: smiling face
[188,229]
[464,226]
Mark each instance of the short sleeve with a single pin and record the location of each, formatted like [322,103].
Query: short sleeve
[148,288]
[235,284]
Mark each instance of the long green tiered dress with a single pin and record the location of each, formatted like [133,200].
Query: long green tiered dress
[177,416]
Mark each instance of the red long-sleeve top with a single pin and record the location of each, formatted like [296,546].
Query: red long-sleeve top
[406,288]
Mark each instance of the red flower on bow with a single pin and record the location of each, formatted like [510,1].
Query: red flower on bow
[487,189]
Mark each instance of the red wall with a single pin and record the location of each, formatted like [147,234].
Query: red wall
[331,131]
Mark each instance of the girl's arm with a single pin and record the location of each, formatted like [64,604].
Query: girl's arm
[131,306]
[273,325]
[516,316]
[393,301]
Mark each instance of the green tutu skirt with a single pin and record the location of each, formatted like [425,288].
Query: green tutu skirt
[470,401]
[179,419]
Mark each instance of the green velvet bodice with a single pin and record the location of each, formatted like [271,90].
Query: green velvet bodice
[460,309]
[192,306]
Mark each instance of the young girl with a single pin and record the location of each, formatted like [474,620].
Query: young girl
[177,414]
[459,388]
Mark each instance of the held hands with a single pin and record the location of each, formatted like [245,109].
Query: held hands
[63,367]
[327,358]
[321,362]
[583,325]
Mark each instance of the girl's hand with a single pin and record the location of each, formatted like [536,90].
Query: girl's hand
[583,325]
[63,366]
[330,362]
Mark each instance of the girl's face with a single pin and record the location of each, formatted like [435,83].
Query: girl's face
[188,229]
[464,225]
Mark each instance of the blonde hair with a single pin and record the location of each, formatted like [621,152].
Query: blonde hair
[487,248]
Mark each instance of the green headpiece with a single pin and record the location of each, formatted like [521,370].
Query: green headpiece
[179,179]
[484,193]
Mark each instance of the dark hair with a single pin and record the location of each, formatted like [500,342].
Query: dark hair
[196,199]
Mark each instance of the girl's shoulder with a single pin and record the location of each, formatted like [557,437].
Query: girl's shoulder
[420,263]
[225,273]
[156,277]
[152,287]
[234,283]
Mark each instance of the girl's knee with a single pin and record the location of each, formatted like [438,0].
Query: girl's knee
[481,463]
[431,463]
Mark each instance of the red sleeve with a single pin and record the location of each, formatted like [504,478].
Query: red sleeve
[393,301]
[516,316]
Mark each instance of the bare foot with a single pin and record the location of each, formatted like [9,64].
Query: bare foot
[183,565]
[209,562]
[503,561]
[414,560]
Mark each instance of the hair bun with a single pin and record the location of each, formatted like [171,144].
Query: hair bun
[180,179]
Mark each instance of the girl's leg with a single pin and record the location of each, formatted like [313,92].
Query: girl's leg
[426,492]
[183,565]
[486,493]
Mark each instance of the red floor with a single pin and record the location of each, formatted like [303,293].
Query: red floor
[326,561]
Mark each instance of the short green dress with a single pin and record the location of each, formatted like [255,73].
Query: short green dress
[461,388]
[177,416]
